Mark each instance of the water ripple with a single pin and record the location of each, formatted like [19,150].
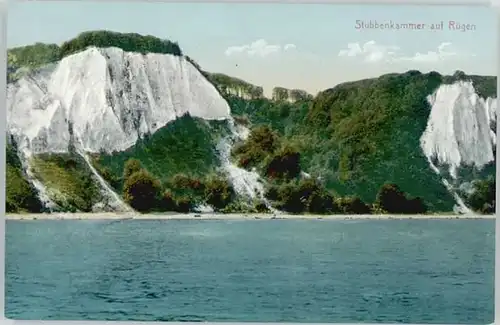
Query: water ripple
[291,270]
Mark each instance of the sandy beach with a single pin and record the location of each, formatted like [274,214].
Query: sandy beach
[212,216]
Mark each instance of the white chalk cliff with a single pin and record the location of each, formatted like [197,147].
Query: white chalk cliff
[460,132]
[106,99]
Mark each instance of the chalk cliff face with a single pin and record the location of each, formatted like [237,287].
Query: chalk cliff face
[106,99]
[461,128]
[460,132]
[103,100]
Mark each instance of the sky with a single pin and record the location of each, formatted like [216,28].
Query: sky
[310,47]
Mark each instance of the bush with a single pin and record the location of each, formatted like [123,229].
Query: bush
[183,181]
[416,206]
[353,205]
[290,199]
[20,195]
[261,142]
[184,204]
[218,193]
[141,191]
[261,207]
[482,199]
[131,166]
[322,202]
[284,164]
[187,186]
[306,195]
[391,199]
[241,119]
[168,202]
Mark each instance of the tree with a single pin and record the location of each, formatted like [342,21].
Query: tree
[353,205]
[284,164]
[11,59]
[308,195]
[256,92]
[187,186]
[290,198]
[141,190]
[261,142]
[218,193]
[391,199]
[261,207]
[416,206]
[130,42]
[280,94]
[321,202]
[131,166]
[264,138]
[184,204]
[299,94]
[482,199]
[33,56]
[168,202]
[183,181]
[20,195]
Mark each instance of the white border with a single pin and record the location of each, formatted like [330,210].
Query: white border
[3,127]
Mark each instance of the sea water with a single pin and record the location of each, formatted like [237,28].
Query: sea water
[418,271]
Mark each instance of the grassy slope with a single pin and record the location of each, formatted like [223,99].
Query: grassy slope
[69,181]
[20,194]
[359,135]
[186,145]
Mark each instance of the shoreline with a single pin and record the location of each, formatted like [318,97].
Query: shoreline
[233,216]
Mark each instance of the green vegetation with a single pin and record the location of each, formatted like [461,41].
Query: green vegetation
[361,135]
[359,140]
[175,169]
[288,190]
[141,190]
[390,199]
[181,193]
[280,93]
[34,56]
[482,199]
[20,194]
[299,95]
[283,117]
[129,42]
[68,180]
[184,146]
[284,94]
[233,86]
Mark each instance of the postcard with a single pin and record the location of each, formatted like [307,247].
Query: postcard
[262,162]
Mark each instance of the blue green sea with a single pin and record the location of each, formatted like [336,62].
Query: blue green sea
[418,271]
